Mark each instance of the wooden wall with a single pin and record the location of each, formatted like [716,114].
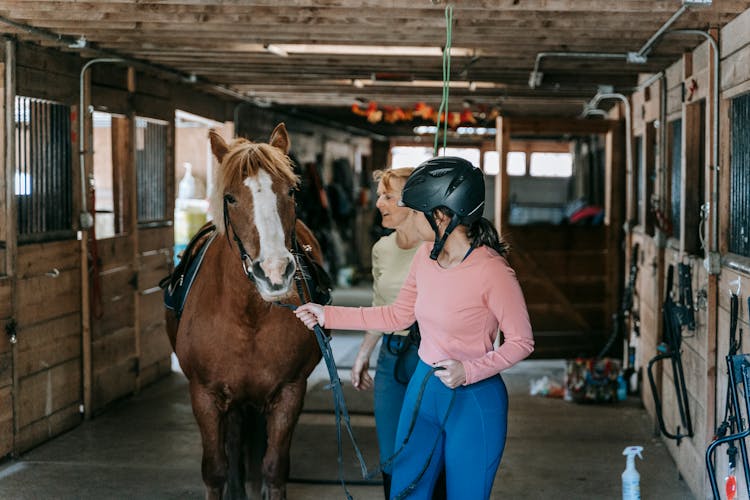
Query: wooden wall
[85,339]
[88,312]
[687,84]
[735,81]
[155,259]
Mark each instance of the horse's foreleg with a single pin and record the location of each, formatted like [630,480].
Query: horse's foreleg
[211,423]
[280,421]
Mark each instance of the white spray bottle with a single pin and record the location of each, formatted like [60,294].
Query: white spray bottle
[631,480]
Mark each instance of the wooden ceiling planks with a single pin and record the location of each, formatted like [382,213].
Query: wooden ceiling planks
[221,42]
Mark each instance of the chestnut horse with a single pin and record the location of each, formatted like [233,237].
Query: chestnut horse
[246,358]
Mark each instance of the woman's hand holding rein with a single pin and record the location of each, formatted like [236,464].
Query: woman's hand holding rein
[451,372]
[311,314]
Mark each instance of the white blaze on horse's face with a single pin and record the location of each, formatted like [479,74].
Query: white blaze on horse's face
[274,268]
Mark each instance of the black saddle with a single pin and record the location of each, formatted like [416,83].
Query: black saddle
[177,285]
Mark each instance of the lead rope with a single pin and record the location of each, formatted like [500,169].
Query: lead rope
[340,410]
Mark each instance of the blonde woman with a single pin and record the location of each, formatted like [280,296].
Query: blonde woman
[391,259]
[462,290]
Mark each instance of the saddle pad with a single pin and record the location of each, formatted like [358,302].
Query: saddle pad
[177,286]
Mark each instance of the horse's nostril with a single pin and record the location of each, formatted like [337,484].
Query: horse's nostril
[290,268]
[257,270]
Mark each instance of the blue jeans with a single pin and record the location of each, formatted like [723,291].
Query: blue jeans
[470,447]
[391,379]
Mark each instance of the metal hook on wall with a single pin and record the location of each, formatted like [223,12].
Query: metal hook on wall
[738,283]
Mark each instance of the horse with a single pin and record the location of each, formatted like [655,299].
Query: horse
[246,358]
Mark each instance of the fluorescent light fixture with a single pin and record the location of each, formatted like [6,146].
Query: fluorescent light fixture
[432,129]
[454,84]
[457,84]
[353,50]
[276,50]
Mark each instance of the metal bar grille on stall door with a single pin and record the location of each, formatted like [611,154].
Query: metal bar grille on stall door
[151,151]
[43,169]
[739,212]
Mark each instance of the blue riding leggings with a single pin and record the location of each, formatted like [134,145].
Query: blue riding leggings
[391,379]
[470,447]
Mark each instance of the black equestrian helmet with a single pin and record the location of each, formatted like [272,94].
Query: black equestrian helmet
[446,181]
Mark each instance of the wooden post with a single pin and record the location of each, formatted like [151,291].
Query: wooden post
[712,360]
[84,144]
[131,218]
[502,187]
[8,232]
[614,216]
[11,214]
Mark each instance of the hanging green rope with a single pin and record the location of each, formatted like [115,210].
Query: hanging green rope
[443,111]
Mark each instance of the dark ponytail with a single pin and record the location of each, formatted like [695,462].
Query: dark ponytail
[483,232]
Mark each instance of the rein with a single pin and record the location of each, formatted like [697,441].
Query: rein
[324,342]
[342,413]
[304,290]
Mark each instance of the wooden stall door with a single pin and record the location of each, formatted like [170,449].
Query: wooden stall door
[155,201]
[562,271]
[154,258]
[48,350]
[113,276]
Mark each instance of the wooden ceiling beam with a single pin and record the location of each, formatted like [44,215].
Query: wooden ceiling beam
[367,6]
[279,16]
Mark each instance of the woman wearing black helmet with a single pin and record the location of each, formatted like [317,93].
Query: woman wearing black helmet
[461,290]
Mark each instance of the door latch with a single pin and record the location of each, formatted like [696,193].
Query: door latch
[10,331]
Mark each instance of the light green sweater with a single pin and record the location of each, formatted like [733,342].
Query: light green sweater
[390,266]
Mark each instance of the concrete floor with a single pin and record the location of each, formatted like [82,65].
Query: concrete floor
[148,446]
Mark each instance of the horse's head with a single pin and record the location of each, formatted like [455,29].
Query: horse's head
[253,203]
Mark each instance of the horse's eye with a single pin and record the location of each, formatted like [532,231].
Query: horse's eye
[230,199]
[291,192]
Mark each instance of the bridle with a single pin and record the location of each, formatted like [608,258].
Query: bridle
[244,256]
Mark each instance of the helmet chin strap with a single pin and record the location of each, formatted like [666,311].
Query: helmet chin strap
[440,241]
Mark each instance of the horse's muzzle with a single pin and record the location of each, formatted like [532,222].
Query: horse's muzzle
[273,276]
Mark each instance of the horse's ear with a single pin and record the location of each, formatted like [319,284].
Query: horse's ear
[280,138]
[218,145]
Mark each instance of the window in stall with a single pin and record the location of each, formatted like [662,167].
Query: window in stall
[649,153]
[739,175]
[639,181]
[674,139]
[695,167]
[470,154]
[551,165]
[110,157]
[151,170]
[409,156]
[43,181]
[540,182]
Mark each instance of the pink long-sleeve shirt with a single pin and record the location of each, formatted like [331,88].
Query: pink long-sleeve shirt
[459,311]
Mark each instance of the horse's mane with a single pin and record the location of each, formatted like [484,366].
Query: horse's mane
[245,159]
